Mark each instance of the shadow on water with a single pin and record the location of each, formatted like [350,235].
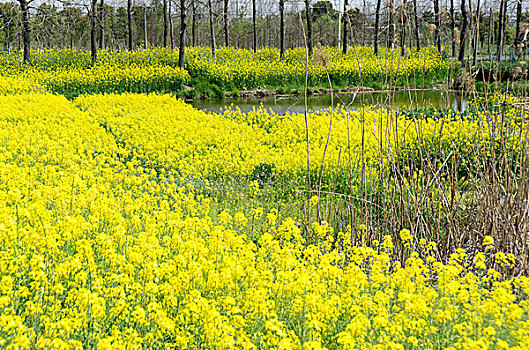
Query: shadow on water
[399,100]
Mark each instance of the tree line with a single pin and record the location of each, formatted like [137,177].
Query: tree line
[465,28]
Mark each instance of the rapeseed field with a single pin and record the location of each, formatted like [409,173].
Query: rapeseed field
[71,72]
[113,236]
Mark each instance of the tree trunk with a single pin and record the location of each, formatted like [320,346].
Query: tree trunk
[309,26]
[181,51]
[476,33]
[93,34]
[391,28]
[470,24]
[26,29]
[501,28]
[254,23]
[145,39]
[193,23]
[171,29]
[403,21]
[504,23]
[282,29]
[462,35]
[363,25]
[345,22]
[165,24]
[129,22]
[453,27]
[490,34]
[212,30]
[417,38]
[226,29]
[518,36]
[498,26]
[437,35]
[377,24]
[102,24]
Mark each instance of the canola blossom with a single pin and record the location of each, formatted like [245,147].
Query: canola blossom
[359,65]
[166,132]
[70,72]
[18,85]
[112,79]
[101,244]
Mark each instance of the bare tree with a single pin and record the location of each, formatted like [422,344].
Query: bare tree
[212,30]
[437,33]
[391,19]
[501,28]
[145,38]
[165,24]
[181,50]
[93,24]
[377,24]
[254,24]
[462,34]
[345,21]
[282,29]
[129,22]
[518,37]
[102,24]
[403,21]
[26,28]
[226,24]
[193,23]
[171,29]
[391,25]
[476,33]
[309,26]
[453,27]
[345,24]
[416,17]
[490,34]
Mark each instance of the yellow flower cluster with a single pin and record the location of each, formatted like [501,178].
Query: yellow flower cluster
[18,85]
[99,248]
[246,69]
[166,132]
[111,79]
[169,133]
[70,72]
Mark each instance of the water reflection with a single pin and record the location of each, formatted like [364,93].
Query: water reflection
[398,100]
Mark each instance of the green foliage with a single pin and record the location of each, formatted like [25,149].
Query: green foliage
[263,173]
[190,94]
[235,92]
[217,92]
[205,88]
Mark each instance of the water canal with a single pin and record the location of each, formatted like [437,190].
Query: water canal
[409,99]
